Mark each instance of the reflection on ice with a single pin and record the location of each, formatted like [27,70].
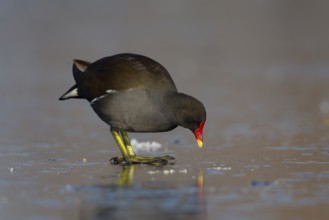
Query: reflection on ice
[127,200]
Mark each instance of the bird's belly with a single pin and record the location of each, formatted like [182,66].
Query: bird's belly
[133,114]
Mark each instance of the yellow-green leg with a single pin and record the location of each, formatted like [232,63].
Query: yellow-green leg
[121,145]
[127,143]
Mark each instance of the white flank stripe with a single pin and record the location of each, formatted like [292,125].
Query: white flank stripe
[108,92]
[97,98]
[111,91]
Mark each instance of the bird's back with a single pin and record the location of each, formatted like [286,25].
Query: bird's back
[122,72]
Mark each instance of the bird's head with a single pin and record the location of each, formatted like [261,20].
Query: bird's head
[192,115]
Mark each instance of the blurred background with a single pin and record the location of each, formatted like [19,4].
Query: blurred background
[242,59]
[260,67]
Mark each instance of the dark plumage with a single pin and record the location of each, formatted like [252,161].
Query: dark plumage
[133,93]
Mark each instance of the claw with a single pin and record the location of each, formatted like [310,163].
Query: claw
[116,160]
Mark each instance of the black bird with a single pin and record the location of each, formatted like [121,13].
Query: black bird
[133,93]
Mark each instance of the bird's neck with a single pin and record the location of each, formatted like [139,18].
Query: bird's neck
[179,106]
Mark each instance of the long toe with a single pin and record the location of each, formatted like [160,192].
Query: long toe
[156,161]
[165,160]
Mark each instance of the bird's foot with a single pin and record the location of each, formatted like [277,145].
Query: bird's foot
[156,161]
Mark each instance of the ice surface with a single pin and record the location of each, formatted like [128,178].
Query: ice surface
[146,146]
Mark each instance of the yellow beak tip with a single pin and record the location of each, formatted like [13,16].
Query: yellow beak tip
[200,143]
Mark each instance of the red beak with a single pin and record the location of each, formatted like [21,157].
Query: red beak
[198,133]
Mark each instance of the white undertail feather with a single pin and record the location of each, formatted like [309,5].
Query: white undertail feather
[71,94]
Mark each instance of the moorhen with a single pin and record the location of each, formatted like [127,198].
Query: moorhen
[133,93]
